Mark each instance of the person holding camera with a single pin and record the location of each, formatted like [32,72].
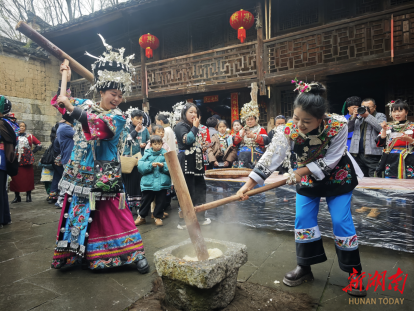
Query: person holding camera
[366,125]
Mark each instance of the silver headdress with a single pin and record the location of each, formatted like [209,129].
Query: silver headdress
[170,116]
[112,71]
[251,109]
[177,108]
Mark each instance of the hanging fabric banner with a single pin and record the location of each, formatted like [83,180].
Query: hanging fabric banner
[210,99]
[234,107]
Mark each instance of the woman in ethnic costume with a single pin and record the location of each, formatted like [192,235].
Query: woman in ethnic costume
[325,169]
[8,141]
[252,139]
[397,160]
[97,227]
[134,138]
[220,153]
[24,180]
[190,156]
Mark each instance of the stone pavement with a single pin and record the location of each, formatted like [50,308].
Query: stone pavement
[28,283]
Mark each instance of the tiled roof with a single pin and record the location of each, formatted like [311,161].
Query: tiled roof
[18,47]
[86,18]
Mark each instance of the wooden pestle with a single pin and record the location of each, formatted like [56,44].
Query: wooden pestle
[233,198]
[186,205]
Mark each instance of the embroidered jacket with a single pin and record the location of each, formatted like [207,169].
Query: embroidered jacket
[324,153]
[261,139]
[95,129]
[397,161]
[393,132]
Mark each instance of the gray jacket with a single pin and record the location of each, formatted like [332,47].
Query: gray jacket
[372,131]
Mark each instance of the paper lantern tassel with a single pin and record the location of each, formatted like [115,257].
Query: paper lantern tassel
[148,53]
[241,34]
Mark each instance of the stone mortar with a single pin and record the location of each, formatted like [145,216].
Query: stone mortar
[200,285]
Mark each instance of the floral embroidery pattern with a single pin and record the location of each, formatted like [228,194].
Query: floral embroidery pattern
[410,171]
[387,169]
[115,261]
[347,242]
[306,181]
[307,234]
[341,175]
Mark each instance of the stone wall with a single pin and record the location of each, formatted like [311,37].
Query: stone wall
[29,83]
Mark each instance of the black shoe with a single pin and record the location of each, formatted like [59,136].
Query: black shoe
[358,292]
[28,197]
[52,200]
[17,199]
[297,276]
[142,265]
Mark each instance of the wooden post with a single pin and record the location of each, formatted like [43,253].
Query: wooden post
[266,27]
[186,205]
[392,38]
[144,81]
[259,51]
[53,49]
[233,198]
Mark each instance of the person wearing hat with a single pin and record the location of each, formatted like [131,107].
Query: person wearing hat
[95,225]
[8,135]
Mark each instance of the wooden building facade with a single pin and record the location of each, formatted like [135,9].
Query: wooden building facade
[345,44]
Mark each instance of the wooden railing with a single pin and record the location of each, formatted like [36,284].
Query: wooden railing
[229,64]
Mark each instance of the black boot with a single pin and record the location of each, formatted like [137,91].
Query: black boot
[17,197]
[297,276]
[28,196]
[358,292]
[142,264]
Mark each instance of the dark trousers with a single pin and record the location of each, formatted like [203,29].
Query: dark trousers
[147,197]
[57,176]
[198,190]
[367,163]
[4,200]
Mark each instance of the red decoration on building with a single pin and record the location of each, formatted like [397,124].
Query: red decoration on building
[210,99]
[242,20]
[149,42]
[234,107]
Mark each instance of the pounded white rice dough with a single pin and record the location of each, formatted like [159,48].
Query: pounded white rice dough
[212,254]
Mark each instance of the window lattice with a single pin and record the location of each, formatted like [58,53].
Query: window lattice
[367,6]
[405,92]
[400,2]
[297,13]
[338,9]
[176,40]
[287,97]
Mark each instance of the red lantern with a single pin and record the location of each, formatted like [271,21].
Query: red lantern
[242,20]
[149,42]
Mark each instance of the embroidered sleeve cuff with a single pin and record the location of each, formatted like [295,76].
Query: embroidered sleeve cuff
[194,130]
[380,141]
[316,171]
[260,140]
[256,177]
[237,140]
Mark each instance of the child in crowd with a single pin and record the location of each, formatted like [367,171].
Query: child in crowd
[237,126]
[155,181]
[159,131]
[219,153]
